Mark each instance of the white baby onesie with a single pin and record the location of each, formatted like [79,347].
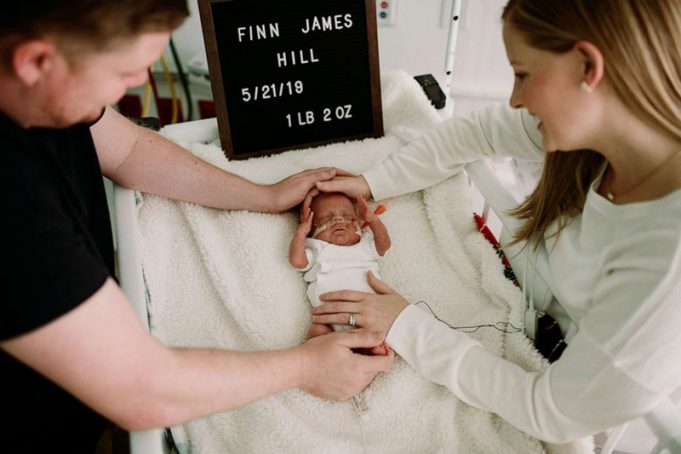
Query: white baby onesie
[331,267]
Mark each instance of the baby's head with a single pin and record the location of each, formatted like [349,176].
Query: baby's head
[334,219]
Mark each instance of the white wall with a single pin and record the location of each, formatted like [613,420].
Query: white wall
[417,44]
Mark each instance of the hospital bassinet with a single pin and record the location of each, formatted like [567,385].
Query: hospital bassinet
[665,422]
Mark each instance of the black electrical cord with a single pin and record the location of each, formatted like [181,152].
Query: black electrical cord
[183,80]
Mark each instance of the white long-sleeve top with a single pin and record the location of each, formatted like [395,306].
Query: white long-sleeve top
[608,265]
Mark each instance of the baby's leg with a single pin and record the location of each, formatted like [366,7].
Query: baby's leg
[379,350]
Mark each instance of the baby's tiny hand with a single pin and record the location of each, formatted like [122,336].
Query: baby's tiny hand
[305,209]
[306,223]
[365,213]
[379,350]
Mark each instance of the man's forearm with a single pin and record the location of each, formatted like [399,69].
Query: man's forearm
[144,160]
[190,383]
[138,383]
[161,167]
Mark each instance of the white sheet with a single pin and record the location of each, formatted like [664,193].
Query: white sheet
[222,279]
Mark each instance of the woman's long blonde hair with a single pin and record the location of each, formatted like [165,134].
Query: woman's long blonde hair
[640,42]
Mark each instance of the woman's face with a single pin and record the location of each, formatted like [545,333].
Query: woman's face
[548,84]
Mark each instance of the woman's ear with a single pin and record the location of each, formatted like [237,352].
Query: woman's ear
[32,59]
[593,65]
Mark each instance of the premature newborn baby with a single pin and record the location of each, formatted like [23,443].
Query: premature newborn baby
[331,248]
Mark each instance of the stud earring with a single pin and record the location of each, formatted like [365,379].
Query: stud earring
[585,87]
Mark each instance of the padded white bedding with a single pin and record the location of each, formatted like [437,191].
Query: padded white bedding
[222,279]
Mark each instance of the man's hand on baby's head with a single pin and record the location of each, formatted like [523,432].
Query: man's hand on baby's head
[293,190]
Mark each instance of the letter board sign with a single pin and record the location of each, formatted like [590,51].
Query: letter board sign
[292,74]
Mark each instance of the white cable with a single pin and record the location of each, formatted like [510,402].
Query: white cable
[362,419]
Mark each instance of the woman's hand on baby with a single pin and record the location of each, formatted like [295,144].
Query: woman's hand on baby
[290,191]
[350,185]
[373,311]
[333,371]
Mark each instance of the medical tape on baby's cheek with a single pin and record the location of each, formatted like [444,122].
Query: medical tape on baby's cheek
[324,227]
[319,230]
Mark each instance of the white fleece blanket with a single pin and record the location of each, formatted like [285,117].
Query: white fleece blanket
[222,279]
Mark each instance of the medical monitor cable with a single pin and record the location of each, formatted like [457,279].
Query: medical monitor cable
[504,327]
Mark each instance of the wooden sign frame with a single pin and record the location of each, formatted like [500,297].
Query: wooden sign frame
[369,122]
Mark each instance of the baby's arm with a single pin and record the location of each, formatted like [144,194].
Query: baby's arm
[296,250]
[381,237]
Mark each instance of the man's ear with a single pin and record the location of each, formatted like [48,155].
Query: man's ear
[32,59]
[593,63]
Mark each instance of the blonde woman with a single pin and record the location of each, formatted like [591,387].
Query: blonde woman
[597,96]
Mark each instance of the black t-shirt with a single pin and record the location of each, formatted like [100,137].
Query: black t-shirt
[58,253]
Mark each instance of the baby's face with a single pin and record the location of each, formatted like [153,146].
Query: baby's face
[335,214]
